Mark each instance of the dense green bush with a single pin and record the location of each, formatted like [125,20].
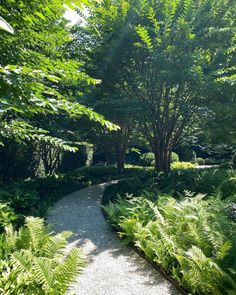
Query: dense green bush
[20,198]
[209,161]
[147,159]
[200,161]
[16,161]
[228,187]
[186,154]
[34,196]
[122,188]
[192,239]
[207,181]
[33,261]
[174,157]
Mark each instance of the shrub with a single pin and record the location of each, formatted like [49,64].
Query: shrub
[122,188]
[209,161]
[174,157]
[182,165]
[186,154]
[37,262]
[191,239]
[200,161]
[147,159]
[20,198]
[228,187]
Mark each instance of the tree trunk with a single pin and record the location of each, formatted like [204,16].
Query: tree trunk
[162,158]
[89,156]
[120,157]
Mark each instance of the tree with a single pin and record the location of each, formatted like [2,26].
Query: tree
[35,75]
[169,55]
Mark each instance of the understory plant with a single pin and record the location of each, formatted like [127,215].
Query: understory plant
[34,261]
[192,239]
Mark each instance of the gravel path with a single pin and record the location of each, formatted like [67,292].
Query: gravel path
[112,269]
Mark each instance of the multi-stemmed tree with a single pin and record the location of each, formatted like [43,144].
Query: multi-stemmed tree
[170,55]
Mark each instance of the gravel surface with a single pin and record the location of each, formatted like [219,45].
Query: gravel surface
[112,268]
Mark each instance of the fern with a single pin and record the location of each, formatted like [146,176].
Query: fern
[189,238]
[43,272]
[54,246]
[38,262]
[36,232]
[64,274]
[22,261]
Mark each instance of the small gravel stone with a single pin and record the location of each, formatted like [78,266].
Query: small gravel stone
[112,268]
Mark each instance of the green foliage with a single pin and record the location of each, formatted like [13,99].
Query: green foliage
[228,187]
[190,239]
[33,261]
[34,196]
[186,178]
[7,215]
[36,74]
[20,198]
[147,159]
[186,154]
[174,59]
[174,157]
[207,181]
[209,161]
[123,188]
[182,165]
[200,161]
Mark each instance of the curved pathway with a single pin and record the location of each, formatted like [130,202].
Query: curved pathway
[112,268]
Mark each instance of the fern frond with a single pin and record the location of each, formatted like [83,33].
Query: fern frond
[36,229]
[65,273]
[223,250]
[10,237]
[22,261]
[43,272]
[54,246]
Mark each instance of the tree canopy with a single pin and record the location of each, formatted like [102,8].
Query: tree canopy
[173,57]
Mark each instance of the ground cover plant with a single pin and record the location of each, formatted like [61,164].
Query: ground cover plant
[210,181]
[192,239]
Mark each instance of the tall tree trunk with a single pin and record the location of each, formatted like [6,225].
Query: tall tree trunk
[120,157]
[162,157]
